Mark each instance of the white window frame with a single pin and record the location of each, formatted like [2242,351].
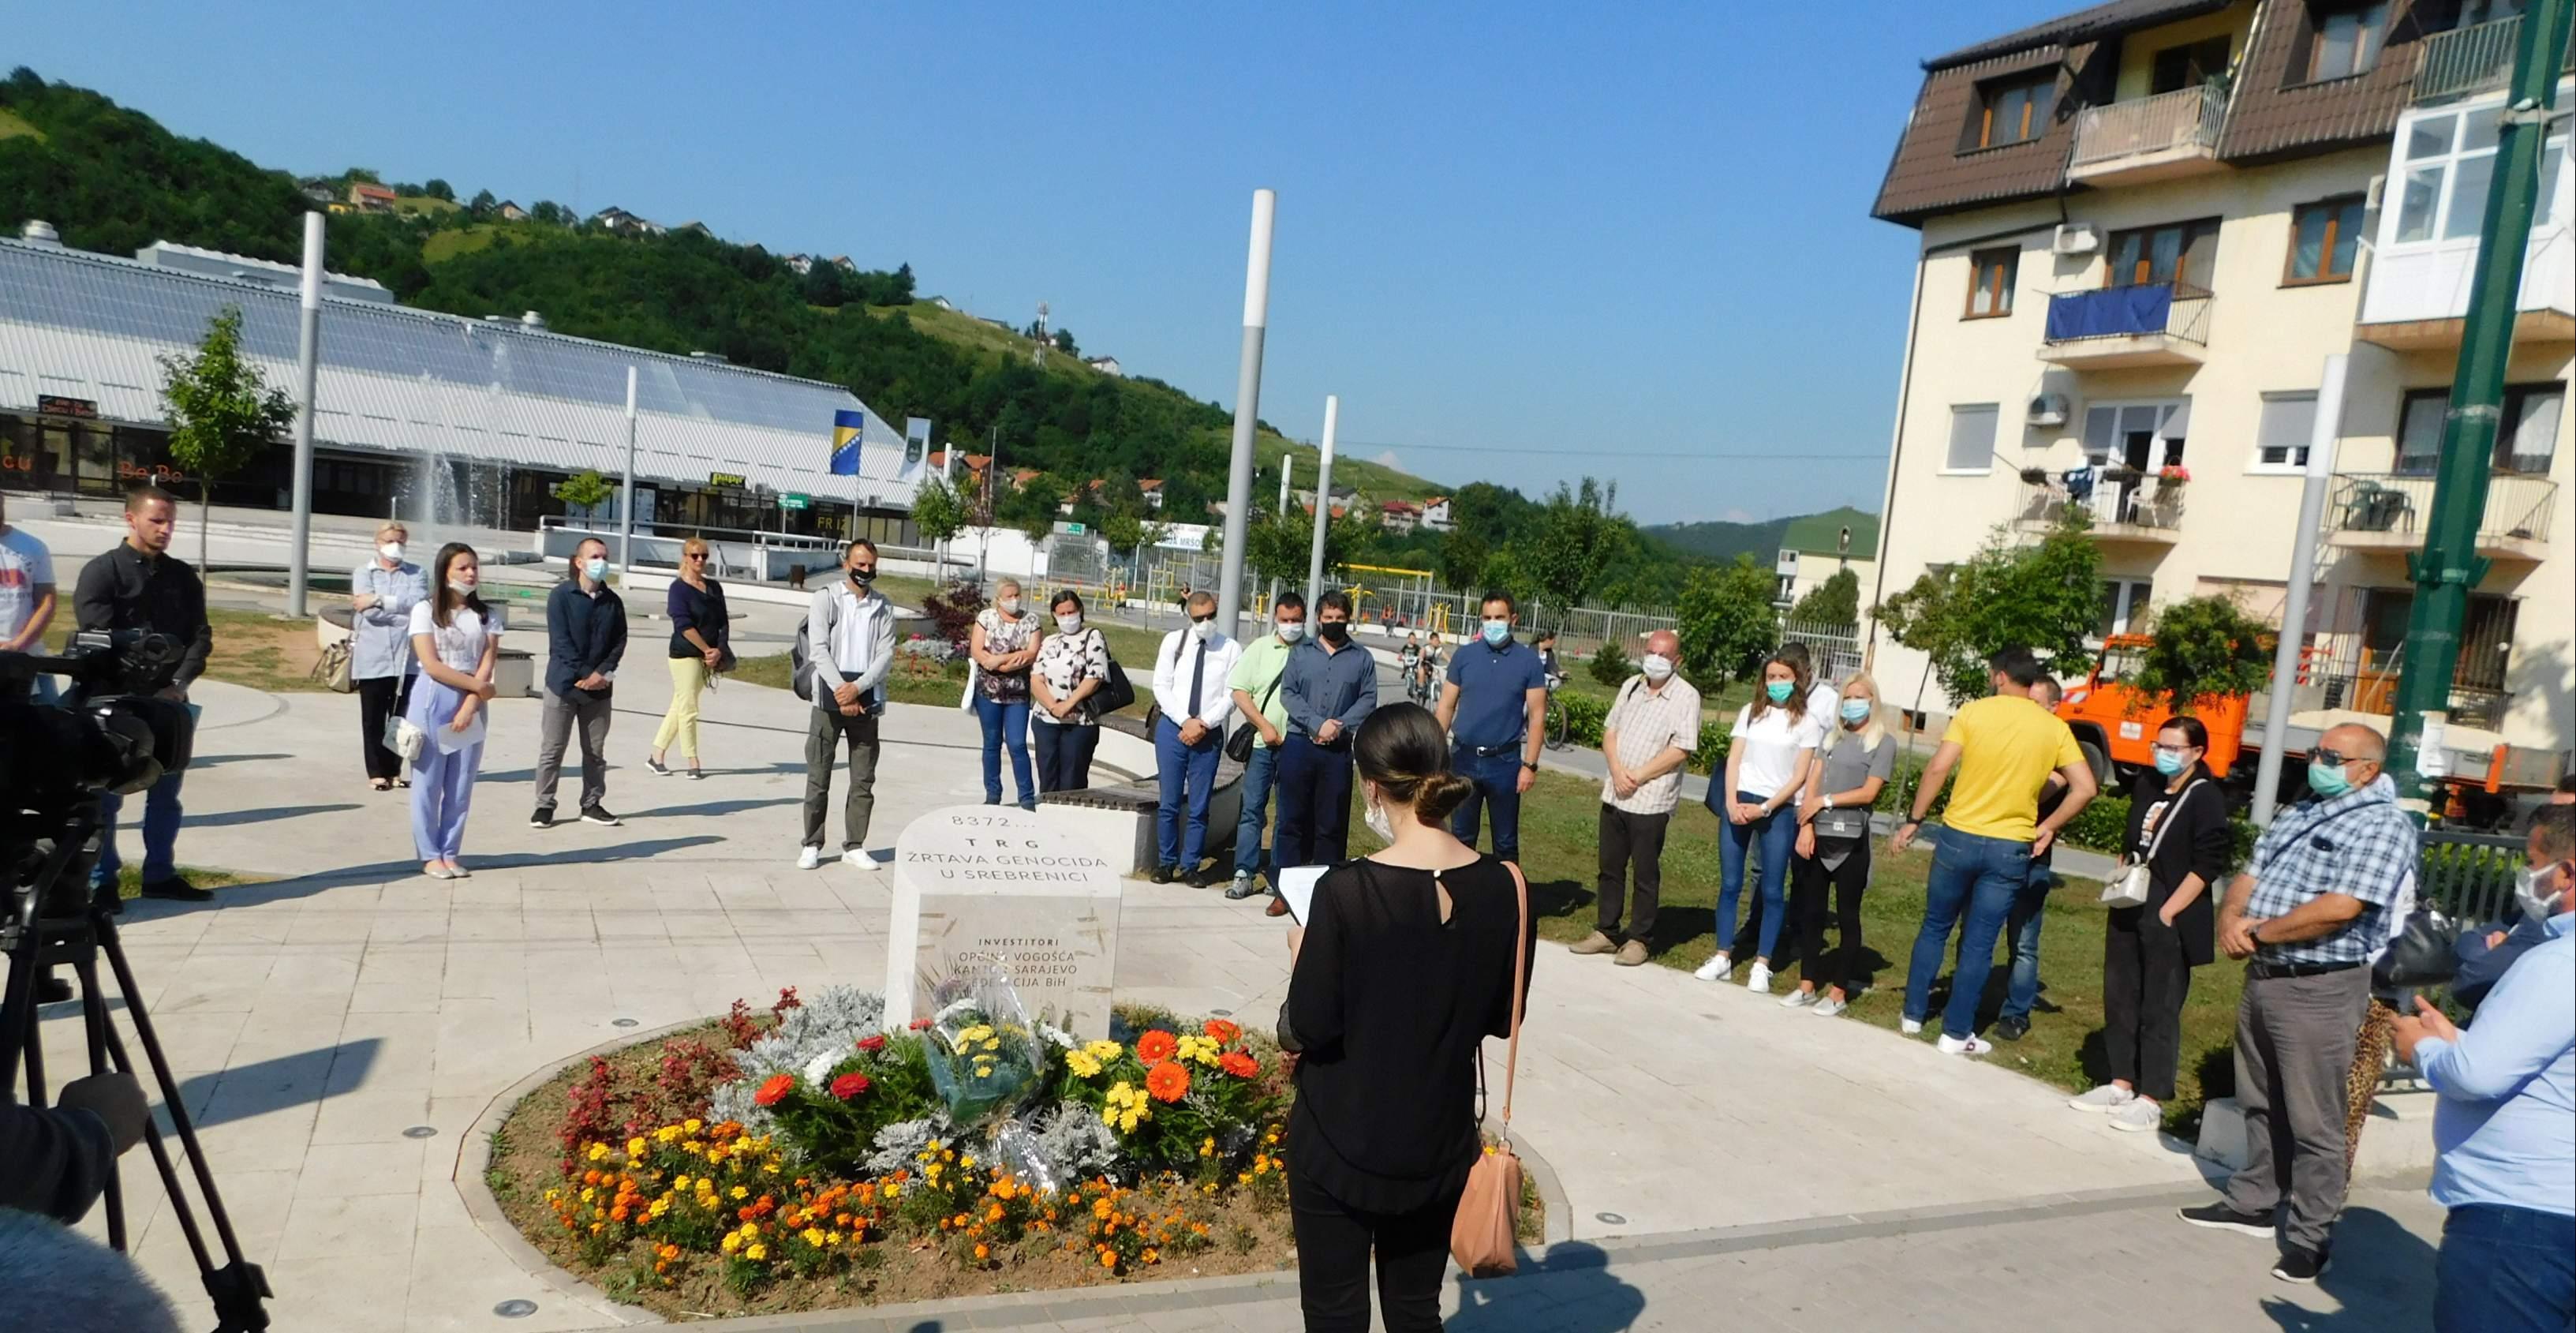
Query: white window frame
[2298,461]
[2127,607]
[2168,406]
[1948,437]
[2553,169]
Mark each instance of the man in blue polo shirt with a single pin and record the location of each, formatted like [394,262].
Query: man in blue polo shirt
[1494,706]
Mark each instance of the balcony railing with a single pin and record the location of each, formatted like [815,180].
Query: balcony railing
[2474,59]
[2397,506]
[2339,671]
[2143,310]
[2116,500]
[2188,118]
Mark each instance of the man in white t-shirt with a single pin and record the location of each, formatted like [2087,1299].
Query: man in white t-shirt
[26,587]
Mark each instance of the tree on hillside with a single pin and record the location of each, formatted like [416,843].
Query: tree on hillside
[2044,596]
[1064,342]
[1836,601]
[1727,623]
[222,411]
[551,213]
[366,175]
[483,203]
[438,189]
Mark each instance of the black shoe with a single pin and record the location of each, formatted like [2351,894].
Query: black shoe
[598,814]
[2219,1217]
[177,889]
[1212,876]
[2301,1266]
[1164,874]
[543,818]
[2012,1029]
[660,769]
[52,990]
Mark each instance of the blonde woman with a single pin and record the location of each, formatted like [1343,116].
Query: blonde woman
[1833,846]
[382,593]
[701,646]
[1004,644]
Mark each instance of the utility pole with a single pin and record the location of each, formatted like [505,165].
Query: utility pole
[1323,502]
[2449,566]
[1247,412]
[2322,434]
[626,502]
[1287,466]
[308,373]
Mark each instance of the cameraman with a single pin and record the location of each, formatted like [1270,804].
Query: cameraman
[139,585]
[53,1165]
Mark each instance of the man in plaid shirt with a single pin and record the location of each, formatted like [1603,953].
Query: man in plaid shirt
[2309,914]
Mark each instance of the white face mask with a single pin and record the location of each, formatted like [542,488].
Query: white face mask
[1376,819]
[2537,892]
[1010,606]
[1203,628]
[1291,631]
[1657,666]
[1071,624]
[461,587]
[391,551]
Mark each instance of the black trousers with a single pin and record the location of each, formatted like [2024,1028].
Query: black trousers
[1063,754]
[2145,980]
[1314,784]
[1631,843]
[1333,1245]
[381,698]
[1809,882]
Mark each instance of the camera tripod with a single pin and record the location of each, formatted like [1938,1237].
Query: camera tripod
[55,920]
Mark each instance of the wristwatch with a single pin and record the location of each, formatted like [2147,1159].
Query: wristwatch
[1530,764]
[1829,800]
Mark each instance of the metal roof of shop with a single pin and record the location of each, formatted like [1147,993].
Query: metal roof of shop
[401,380]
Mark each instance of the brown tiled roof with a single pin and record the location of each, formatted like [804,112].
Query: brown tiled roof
[1930,175]
[2084,25]
[2271,120]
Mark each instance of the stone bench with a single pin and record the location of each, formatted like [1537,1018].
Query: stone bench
[1118,820]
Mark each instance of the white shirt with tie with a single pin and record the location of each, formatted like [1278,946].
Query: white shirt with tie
[1179,661]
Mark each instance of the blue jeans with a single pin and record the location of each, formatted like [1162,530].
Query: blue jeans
[1188,776]
[2505,1270]
[1975,879]
[1497,778]
[1314,803]
[1064,754]
[160,832]
[1259,772]
[2021,926]
[1777,833]
[1006,727]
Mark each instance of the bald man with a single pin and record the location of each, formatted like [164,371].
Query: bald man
[1647,739]
[2307,916]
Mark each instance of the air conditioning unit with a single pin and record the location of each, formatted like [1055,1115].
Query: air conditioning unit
[2048,409]
[2075,238]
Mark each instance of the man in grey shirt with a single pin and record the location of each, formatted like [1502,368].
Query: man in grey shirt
[1331,687]
[849,631]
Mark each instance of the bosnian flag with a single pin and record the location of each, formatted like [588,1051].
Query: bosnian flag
[847,429]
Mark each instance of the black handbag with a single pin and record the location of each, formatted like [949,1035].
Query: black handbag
[2424,953]
[1238,747]
[1115,693]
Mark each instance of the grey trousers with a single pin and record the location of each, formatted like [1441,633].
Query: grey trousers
[2294,1043]
[827,729]
[560,717]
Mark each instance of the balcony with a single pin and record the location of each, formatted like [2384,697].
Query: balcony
[2475,59]
[2386,512]
[2149,138]
[2150,324]
[2124,504]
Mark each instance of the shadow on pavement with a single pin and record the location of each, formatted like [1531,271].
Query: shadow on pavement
[2379,1276]
[1580,1295]
[213,760]
[230,817]
[305,886]
[246,1092]
[711,808]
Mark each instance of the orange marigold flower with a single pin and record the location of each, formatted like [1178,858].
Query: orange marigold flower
[1239,1064]
[1222,1032]
[1156,1046]
[771,1092]
[1167,1082]
[983,1252]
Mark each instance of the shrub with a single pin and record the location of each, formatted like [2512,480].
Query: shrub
[1610,666]
[952,612]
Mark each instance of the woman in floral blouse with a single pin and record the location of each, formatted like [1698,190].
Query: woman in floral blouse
[1004,642]
[1072,666]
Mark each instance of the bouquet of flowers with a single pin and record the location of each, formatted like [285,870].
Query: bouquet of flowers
[987,1059]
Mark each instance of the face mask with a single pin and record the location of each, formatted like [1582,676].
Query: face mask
[1498,632]
[2168,763]
[391,551]
[2537,891]
[1377,821]
[863,577]
[1779,690]
[1202,629]
[595,569]
[1010,606]
[460,587]
[1656,666]
[1856,711]
[1290,631]
[2328,780]
[1068,624]
[1335,632]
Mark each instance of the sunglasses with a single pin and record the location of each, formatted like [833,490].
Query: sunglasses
[1201,620]
[2331,758]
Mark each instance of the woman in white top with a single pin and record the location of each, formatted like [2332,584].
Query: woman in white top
[452,638]
[1767,758]
[1072,666]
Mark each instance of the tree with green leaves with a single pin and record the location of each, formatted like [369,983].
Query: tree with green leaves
[222,410]
[1727,623]
[1064,341]
[938,510]
[1463,555]
[483,204]
[586,491]
[2203,647]
[438,189]
[2045,596]
[1570,546]
[1836,601]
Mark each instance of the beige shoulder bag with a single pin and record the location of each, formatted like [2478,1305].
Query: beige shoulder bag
[1482,1237]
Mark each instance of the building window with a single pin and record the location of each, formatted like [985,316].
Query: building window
[1991,274]
[2281,438]
[2013,111]
[2182,253]
[2344,41]
[2324,238]
[2179,67]
[2419,432]
[1972,438]
[2449,163]
[2124,606]
[2529,438]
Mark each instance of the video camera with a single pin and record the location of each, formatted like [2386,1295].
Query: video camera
[114,733]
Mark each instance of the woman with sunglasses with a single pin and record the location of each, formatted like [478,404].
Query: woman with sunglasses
[701,647]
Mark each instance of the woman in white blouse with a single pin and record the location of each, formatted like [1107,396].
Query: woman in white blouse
[1072,666]
[455,643]
[1767,758]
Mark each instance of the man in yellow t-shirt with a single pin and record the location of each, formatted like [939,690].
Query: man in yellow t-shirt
[2003,748]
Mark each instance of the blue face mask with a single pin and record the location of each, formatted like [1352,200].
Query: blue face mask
[595,569]
[2328,780]
[2168,763]
[1498,632]
[1856,711]
[1779,690]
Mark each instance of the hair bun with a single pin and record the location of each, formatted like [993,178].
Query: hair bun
[1441,794]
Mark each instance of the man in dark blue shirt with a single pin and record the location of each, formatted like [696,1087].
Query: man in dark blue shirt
[585,638]
[1494,705]
[1330,688]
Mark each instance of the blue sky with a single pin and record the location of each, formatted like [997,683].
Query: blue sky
[1589,237]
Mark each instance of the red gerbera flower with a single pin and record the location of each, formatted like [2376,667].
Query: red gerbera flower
[1238,1064]
[921,1025]
[778,1086]
[872,1043]
[848,1086]
[1223,1032]
[1156,1046]
[1168,1081]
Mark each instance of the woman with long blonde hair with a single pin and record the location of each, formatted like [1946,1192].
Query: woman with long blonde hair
[701,647]
[1859,758]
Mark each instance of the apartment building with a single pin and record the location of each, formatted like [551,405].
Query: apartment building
[2145,226]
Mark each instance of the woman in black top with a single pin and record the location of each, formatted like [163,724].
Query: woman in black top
[701,646]
[2148,951]
[1403,969]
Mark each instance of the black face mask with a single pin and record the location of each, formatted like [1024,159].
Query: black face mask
[863,577]
[1335,632]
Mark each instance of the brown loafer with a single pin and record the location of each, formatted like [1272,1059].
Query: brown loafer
[1596,942]
[1278,907]
[1631,954]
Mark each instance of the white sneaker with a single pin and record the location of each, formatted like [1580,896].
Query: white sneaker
[1965,1045]
[1715,969]
[1799,999]
[2108,1097]
[857,858]
[2138,1115]
[807,858]
[1829,1006]
[1758,980]
[1912,1027]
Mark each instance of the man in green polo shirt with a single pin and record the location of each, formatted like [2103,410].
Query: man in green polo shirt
[1255,681]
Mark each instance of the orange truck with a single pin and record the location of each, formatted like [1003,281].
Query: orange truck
[2116,725]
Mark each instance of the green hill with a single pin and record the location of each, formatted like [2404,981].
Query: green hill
[1720,542]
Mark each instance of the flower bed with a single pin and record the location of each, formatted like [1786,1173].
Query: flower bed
[803,1159]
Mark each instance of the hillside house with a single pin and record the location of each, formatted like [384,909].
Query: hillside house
[1399,516]
[369,197]
[1106,365]
[1435,513]
[1152,488]
[799,264]
[509,211]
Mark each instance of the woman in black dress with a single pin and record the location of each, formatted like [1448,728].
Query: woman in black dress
[1404,968]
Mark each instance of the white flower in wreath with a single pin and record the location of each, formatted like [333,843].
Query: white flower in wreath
[1055,1034]
[818,1070]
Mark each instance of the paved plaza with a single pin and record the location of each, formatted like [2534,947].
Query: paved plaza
[1714,1152]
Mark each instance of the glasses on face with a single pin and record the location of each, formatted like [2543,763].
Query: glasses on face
[1201,620]
[2330,758]
[2176,751]
[695,555]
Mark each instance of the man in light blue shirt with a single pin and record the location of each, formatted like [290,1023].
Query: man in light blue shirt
[2504,1132]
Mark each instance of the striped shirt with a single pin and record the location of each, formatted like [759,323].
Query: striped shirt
[2358,844]
[1645,722]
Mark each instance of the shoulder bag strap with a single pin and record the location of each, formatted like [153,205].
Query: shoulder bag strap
[1520,983]
[2172,808]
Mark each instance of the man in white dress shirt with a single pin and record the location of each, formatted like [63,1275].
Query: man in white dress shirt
[1190,671]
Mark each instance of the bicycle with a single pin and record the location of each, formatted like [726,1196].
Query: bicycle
[1557,728]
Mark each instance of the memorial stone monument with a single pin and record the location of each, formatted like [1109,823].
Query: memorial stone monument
[980,884]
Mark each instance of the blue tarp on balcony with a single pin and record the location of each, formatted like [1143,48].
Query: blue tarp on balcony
[2110,312]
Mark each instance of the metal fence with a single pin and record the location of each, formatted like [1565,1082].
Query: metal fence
[2185,118]
[2469,876]
[2474,59]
